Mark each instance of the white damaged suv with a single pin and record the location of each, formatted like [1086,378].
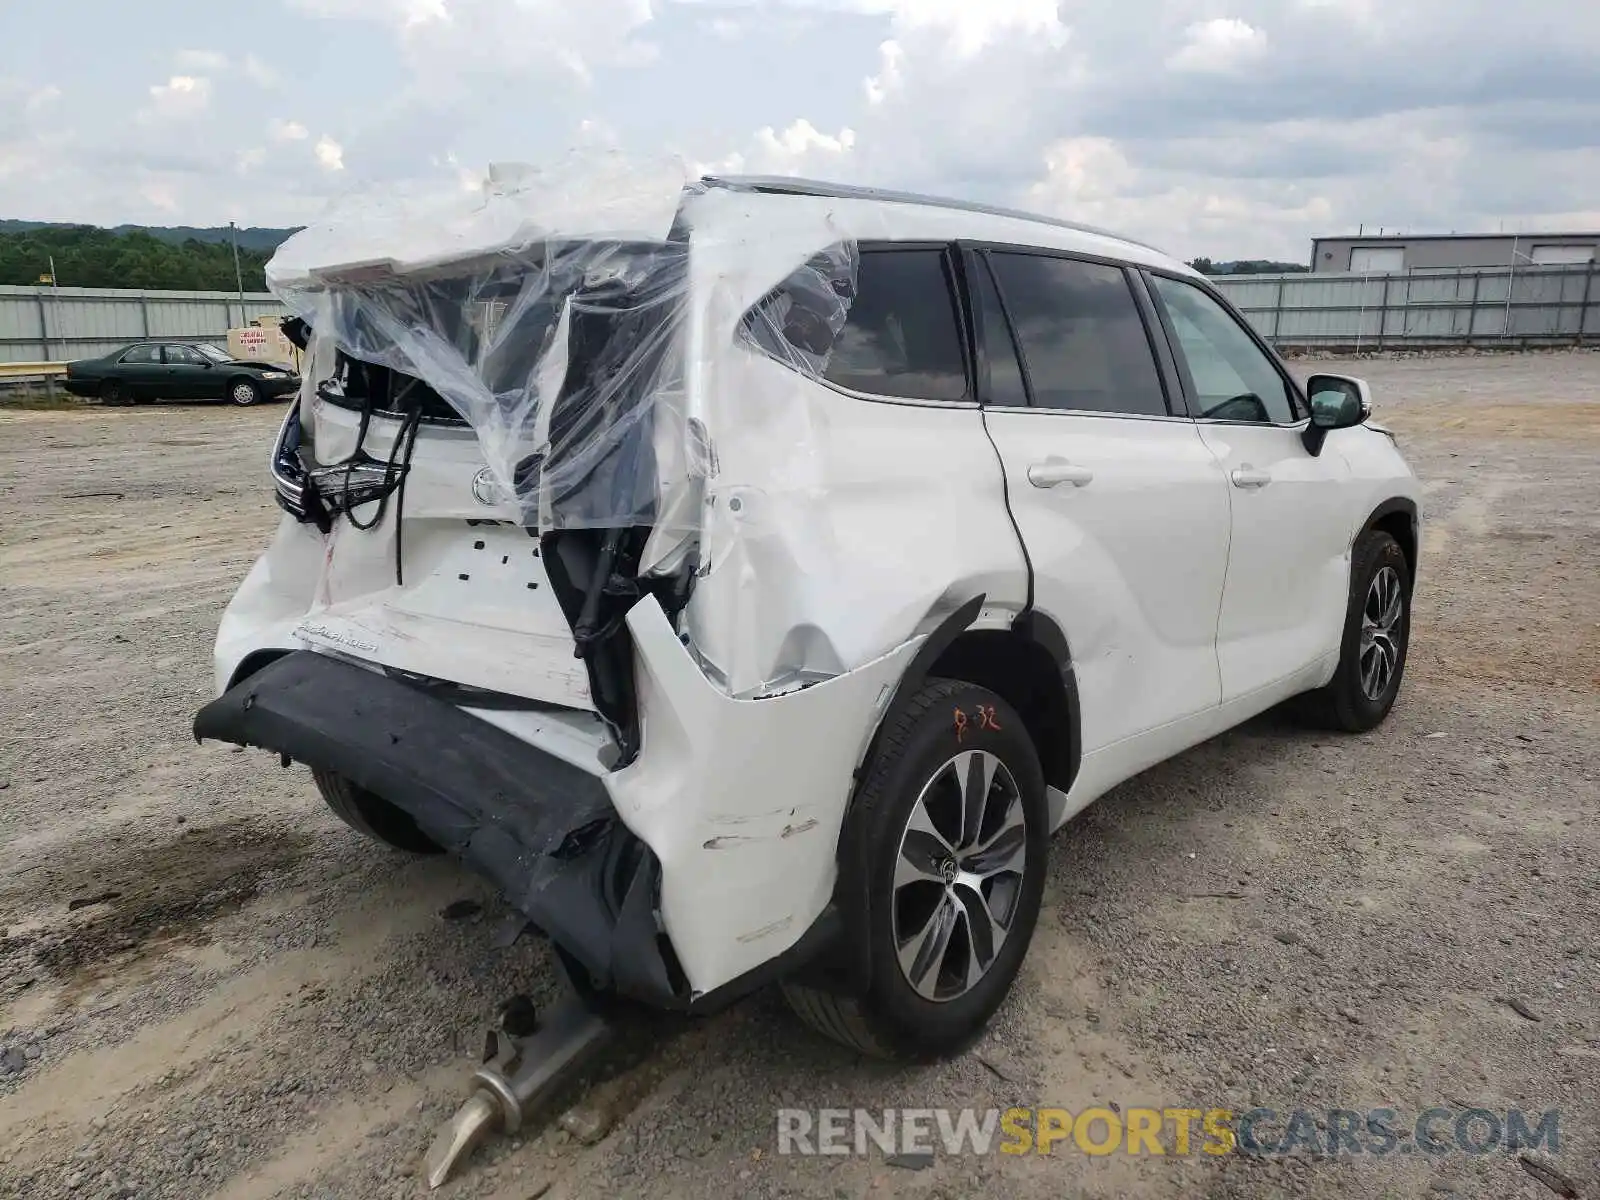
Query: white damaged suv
[749,581]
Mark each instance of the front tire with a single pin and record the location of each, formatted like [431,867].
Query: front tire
[1372,651]
[371,815]
[244,392]
[948,842]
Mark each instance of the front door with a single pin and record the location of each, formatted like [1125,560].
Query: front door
[1122,508]
[1289,557]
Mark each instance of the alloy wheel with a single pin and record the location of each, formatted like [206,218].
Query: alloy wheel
[1382,626]
[243,393]
[958,875]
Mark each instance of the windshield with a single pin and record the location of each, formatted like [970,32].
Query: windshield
[213,353]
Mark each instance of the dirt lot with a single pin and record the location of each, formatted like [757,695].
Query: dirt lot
[209,986]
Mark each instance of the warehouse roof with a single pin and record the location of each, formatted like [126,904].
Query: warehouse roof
[1533,235]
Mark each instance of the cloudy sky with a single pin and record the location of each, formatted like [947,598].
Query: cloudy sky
[1230,128]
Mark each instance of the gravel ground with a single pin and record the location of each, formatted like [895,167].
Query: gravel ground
[208,986]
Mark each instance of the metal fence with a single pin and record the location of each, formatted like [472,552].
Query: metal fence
[47,324]
[1505,307]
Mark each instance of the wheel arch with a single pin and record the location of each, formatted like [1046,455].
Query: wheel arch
[1029,664]
[253,662]
[1398,517]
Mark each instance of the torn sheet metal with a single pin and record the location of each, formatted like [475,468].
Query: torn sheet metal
[742,800]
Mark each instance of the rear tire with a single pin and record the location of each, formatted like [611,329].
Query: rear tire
[1372,652]
[949,835]
[371,815]
[115,394]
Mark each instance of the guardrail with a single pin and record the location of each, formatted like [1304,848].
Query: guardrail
[31,370]
[33,380]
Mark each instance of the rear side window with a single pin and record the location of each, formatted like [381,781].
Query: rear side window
[900,337]
[1082,339]
[142,354]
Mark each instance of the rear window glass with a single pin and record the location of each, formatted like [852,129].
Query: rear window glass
[899,336]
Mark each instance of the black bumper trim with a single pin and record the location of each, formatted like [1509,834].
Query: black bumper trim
[540,829]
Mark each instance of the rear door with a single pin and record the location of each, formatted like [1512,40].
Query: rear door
[1289,558]
[1122,508]
[141,370]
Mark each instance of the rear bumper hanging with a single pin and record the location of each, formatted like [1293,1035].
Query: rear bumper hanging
[540,829]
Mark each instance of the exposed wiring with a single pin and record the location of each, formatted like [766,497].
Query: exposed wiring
[396,468]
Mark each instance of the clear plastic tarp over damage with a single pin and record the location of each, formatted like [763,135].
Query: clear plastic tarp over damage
[559,314]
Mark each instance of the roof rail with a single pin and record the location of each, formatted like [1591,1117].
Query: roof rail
[784,185]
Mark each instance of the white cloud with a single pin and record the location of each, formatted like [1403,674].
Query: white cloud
[474,42]
[160,196]
[281,130]
[260,73]
[180,96]
[202,61]
[1091,180]
[421,12]
[888,77]
[969,26]
[798,149]
[1232,128]
[42,98]
[401,13]
[802,140]
[329,154]
[1219,46]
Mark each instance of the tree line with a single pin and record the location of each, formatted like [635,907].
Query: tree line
[86,256]
[1246,266]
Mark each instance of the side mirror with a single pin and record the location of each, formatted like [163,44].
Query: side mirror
[1337,402]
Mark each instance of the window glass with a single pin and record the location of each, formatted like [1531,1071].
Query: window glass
[900,337]
[212,352]
[142,354]
[999,348]
[1233,378]
[182,356]
[1081,335]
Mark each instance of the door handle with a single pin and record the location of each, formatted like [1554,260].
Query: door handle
[1053,471]
[1247,476]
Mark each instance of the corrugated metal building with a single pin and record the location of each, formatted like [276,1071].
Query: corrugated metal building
[1395,252]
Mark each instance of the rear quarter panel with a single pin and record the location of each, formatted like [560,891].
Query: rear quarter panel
[835,524]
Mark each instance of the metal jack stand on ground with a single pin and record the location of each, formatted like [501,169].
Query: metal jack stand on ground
[519,1071]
